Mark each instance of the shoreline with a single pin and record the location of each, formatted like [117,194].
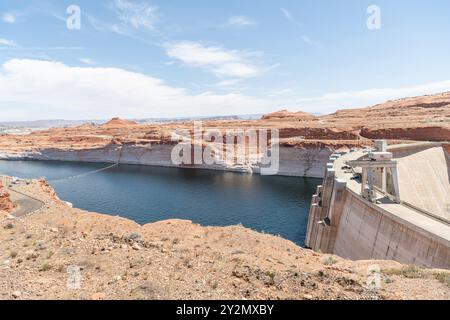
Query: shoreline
[201,215]
[152,166]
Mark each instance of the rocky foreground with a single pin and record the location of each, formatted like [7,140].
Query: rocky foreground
[119,259]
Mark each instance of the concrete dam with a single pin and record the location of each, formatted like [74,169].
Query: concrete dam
[389,203]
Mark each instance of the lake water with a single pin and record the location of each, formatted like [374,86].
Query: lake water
[276,205]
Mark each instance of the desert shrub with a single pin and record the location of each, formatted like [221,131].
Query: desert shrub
[443,277]
[411,272]
[45,267]
[328,261]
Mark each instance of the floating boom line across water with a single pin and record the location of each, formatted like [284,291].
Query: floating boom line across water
[90,172]
[84,174]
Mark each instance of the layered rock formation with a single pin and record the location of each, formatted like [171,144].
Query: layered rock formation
[117,122]
[425,118]
[301,135]
[286,115]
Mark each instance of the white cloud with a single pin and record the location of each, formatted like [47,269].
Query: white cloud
[87,61]
[136,14]
[214,59]
[330,102]
[282,92]
[228,82]
[287,14]
[36,89]
[14,47]
[33,89]
[240,21]
[9,18]
[100,25]
[8,43]
[310,41]
[132,19]
[305,38]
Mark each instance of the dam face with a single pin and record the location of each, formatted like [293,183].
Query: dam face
[413,229]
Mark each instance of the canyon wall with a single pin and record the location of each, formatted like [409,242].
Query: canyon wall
[423,133]
[300,162]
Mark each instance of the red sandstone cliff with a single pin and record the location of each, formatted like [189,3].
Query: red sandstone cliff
[117,122]
[420,118]
[5,201]
[284,115]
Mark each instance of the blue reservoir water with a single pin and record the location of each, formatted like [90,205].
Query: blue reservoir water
[275,205]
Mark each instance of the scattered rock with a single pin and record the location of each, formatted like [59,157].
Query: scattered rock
[98,296]
[31,254]
[133,237]
[9,226]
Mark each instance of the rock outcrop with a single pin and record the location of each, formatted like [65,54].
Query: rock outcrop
[286,115]
[48,189]
[424,118]
[415,134]
[117,122]
[6,204]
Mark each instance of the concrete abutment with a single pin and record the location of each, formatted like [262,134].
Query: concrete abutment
[344,223]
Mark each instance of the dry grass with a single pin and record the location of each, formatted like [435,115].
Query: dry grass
[45,267]
[442,277]
[329,261]
[410,272]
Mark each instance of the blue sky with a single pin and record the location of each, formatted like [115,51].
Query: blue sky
[137,58]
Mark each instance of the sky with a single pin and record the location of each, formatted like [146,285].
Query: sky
[82,59]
